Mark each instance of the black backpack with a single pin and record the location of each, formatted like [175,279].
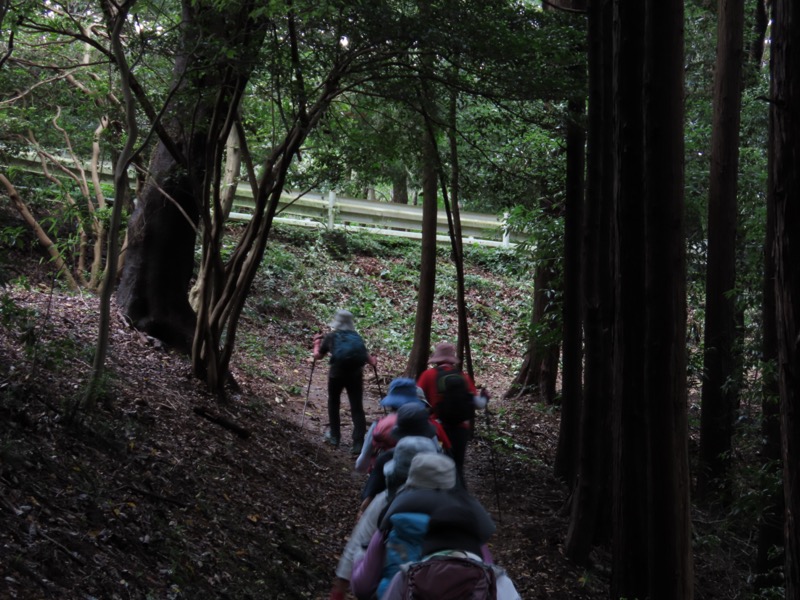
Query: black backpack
[450,578]
[348,350]
[456,403]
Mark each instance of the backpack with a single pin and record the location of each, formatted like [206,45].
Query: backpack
[348,350]
[446,577]
[403,544]
[456,403]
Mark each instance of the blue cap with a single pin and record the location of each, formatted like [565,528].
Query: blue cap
[401,391]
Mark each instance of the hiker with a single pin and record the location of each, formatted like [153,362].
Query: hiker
[398,471]
[413,419]
[451,567]
[381,435]
[348,357]
[433,381]
[403,526]
[402,390]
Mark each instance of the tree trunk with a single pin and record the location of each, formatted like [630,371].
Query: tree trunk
[721,364]
[784,193]
[669,540]
[769,558]
[418,358]
[399,184]
[566,462]
[590,507]
[630,560]
[539,370]
[154,288]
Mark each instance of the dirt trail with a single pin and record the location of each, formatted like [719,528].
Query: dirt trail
[511,478]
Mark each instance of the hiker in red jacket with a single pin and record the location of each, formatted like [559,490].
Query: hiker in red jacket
[444,363]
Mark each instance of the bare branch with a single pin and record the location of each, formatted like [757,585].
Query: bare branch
[41,235]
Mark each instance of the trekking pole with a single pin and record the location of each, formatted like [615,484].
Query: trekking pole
[378,381]
[493,463]
[308,392]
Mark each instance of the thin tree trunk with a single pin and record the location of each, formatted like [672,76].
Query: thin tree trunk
[770,532]
[43,238]
[784,193]
[590,507]
[721,365]
[418,358]
[566,462]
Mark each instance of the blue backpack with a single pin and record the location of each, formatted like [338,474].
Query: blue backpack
[403,544]
[348,350]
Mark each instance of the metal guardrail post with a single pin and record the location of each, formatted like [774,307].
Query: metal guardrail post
[331,206]
[506,232]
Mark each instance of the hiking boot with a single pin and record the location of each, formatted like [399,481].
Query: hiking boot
[356,449]
[333,440]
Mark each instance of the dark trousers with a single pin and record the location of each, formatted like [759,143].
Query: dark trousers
[459,437]
[353,383]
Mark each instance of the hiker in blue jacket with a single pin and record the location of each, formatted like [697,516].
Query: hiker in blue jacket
[399,471]
[348,355]
[403,525]
[452,566]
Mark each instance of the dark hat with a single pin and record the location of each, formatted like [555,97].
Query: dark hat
[413,419]
[402,390]
[444,354]
[452,528]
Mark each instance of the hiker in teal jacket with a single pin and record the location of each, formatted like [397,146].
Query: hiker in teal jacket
[348,357]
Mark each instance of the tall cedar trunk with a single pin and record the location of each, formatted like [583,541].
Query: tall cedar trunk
[159,260]
[669,540]
[721,364]
[418,358]
[629,415]
[784,193]
[454,224]
[539,369]
[770,532]
[566,462]
[590,507]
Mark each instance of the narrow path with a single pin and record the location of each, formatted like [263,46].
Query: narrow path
[510,476]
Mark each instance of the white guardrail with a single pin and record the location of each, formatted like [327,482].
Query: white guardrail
[351,214]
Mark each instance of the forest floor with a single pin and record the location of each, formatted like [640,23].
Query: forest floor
[166,492]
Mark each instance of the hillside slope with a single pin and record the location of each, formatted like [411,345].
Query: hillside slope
[166,492]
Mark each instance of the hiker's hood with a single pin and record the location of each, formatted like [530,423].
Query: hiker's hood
[396,470]
[413,419]
[431,471]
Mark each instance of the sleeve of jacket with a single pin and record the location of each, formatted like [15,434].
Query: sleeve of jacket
[360,537]
[365,458]
[367,571]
